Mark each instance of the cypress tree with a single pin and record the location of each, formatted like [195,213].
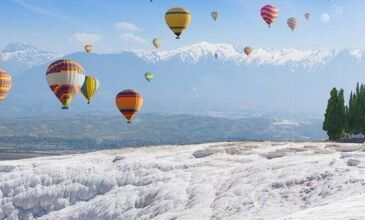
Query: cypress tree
[335,118]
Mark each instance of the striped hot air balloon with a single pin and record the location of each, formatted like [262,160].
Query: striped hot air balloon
[129,102]
[269,13]
[292,23]
[248,50]
[89,88]
[178,19]
[5,84]
[88,48]
[65,78]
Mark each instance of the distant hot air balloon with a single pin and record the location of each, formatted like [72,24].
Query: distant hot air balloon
[269,13]
[5,84]
[88,48]
[129,102]
[89,88]
[307,15]
[214,15]
[292,23]
[157,43]
[216,55]
[65,78]
[148,76]
[178,19]
[248,50]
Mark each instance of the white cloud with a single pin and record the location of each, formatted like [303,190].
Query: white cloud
[126,26]
[339,10]
[132,38]
[86,38]
[325,17]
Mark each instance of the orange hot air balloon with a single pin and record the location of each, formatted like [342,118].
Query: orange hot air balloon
[292,23]
[269,13]
[5,84]
[248,50]
[129,102]
[88,48]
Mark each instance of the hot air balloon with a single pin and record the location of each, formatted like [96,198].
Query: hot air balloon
[89,88]
[307,16]
[269,13]
[5,84]
[88,48]
[214,15]
[248,50]
[65,78]
[292,23]
[178,19]
[129,102]
[216,55]
[157,43]
[148,76]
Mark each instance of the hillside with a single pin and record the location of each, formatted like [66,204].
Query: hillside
[243,180]
[284,83]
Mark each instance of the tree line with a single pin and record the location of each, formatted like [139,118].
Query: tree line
[345,121]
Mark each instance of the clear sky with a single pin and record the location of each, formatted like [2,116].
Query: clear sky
[115,25]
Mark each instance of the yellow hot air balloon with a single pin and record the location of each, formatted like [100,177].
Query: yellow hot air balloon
[292,23]
[248,50]
[65,78]
[129,102]
[178,19]
[89,88]
[88,48]
[5,84]
[214,15]
[157,43]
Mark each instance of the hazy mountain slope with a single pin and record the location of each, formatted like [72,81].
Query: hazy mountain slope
[285,83]
[245,180]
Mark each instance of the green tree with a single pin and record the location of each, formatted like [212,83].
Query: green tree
[335,117]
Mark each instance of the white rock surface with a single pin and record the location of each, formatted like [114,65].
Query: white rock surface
[248,180]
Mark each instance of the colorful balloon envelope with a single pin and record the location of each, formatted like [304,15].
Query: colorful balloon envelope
[88,48]
[129,102]
[269,13]
[65,78]
[214,15]
[157,43]
[5,84]
[89,88]
[148,76]
[292,23]
[178,19]
[248,50]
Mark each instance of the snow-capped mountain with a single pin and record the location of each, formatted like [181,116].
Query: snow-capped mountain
[18,57]
[260,56]
[191,80]
[246,180]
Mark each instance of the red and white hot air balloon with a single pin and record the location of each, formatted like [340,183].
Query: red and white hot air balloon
[292,23]
[269,13]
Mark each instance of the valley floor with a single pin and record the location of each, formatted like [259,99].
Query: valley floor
[243,180]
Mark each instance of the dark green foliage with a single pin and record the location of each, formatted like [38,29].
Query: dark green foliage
[335,118]
[347,120]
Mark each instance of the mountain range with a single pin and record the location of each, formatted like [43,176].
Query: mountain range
[285,83]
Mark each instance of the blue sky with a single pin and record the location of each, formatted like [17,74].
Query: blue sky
[115,25]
